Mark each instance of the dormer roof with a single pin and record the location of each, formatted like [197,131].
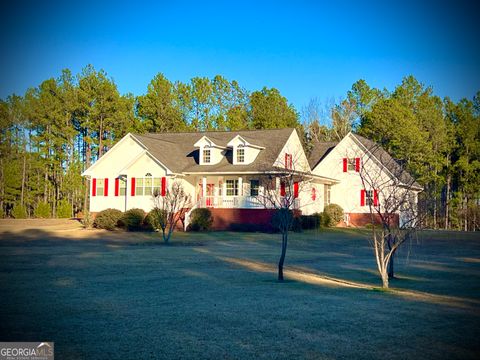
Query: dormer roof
[239,138]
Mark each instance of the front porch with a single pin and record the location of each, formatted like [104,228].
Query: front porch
[233,192]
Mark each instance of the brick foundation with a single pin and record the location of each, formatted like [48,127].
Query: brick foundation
[235,219]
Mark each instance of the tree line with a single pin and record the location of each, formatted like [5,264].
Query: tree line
[59,128]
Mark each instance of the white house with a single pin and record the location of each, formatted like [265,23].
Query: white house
[366,175]
[226,172]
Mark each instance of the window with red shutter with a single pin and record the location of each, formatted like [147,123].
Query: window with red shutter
[133,187]
[105,193]
[164,186]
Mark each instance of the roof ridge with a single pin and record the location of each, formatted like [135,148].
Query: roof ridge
[213,131]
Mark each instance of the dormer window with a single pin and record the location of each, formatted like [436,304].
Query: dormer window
[206,156]
[240,154]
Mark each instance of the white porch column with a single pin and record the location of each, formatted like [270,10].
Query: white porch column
[204,186]
[240,186]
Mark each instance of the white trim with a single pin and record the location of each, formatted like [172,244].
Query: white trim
[145,152]
[392,176]
[212,144]
[231,145]
[88,172]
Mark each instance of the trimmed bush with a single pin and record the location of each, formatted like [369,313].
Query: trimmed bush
[133,219]
[153,219]
[64,209]
[42,211]
[334,213]
[310,222]
[19,211]
[200,220]
[297,224]
[107,219]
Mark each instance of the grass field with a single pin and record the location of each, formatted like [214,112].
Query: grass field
[101,295]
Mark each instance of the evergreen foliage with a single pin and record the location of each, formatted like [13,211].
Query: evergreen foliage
[42,211]
[64,210]
[133,219]
[107,219]
[200,220]
[19,211]
[333,215]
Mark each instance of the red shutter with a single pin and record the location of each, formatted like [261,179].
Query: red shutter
[295,189]
[117,186]
[362,197]
[314,194]
[94,187]
[106,187]
[375,198]
[282,189]
[286,161]
[357,164]
[164,186]
[133,187]
[345,165]
[291,162]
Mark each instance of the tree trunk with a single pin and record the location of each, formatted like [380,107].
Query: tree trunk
[3,213]
[22,195]
[282,256]
[385,280]
[447,203]
[390,268]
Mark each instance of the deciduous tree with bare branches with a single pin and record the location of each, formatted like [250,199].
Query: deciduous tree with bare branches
[280,192]
[391,194]
[169,208]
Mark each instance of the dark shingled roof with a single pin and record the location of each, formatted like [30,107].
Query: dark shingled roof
[322,149]
[177,152]
[319,151]
[386,160]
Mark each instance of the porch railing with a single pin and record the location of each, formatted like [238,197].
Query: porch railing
[235,202]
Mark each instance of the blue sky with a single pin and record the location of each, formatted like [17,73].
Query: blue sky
[305,49]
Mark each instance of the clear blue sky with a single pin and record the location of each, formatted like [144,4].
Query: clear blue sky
[305,49]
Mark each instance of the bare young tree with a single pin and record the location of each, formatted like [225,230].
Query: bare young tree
[169,208]
[391,194]
[280,192]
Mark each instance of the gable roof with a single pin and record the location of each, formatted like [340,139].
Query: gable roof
[178,153]
[322,149]
[319,151]
[388,161]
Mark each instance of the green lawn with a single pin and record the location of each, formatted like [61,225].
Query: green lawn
[105,295]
